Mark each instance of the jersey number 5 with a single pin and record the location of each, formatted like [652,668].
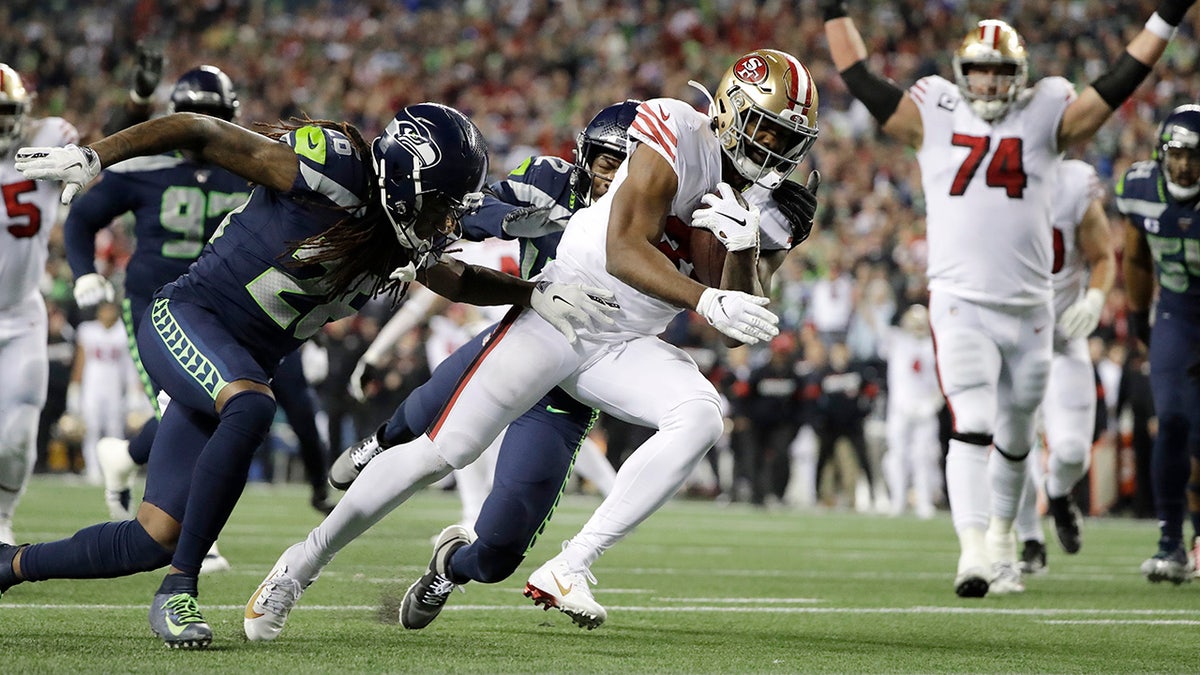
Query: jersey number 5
[1006,169]
[17,209]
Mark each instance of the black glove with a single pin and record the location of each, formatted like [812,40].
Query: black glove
[1139,325]
[798,203]
[833,9]
[371,379]
[1172,11]
[148,71]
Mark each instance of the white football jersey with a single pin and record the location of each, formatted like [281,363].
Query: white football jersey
[912,384]
[107,365]
[988,191]
[774,231]
[684,138]
[30,211]
[1078,186]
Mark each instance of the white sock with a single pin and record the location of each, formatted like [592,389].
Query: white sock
[1029,521]
[391,478]
[1007,479]
[967,485]
[648,478]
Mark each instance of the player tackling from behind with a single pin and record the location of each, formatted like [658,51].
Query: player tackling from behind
[988,145]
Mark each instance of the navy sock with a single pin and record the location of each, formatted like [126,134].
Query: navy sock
[97,552]
[140,444]
[220,475]
[179,583]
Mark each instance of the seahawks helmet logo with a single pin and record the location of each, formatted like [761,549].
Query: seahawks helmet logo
[414,137]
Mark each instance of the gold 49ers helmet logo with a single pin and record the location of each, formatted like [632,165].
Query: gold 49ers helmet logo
[750,69]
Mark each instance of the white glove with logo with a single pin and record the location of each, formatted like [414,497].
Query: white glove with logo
[75,166]
[729,217]
[1081,318]
[739,315]
[567,305]
[93,289]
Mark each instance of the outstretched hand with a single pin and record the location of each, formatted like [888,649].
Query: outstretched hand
[149,69]
[74,165]
[566,306]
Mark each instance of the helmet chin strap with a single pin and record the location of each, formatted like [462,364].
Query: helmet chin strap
[1181,193]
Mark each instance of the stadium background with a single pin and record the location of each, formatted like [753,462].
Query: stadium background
[531,74]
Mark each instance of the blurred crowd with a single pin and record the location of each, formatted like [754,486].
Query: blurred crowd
[530,73]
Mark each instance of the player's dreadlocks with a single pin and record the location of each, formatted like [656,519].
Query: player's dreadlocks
[360,249]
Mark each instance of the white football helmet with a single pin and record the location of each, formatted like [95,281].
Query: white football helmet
[991,43]
[14,105]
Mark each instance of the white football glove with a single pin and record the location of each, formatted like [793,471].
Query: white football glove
[741,316]
[1081,318]
[406,274]
[529,222]
[734,223]
[567,305]
[75,166]
[93,289]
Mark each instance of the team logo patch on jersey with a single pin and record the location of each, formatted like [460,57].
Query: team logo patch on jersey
[947,102]
[751,69]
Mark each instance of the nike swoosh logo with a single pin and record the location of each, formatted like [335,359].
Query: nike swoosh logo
[1039,329]
[561,299]
[563,590]
[556,411]
[250,613]
[173,628]
[741,221]
[663,113]
[76,164]
[311,145]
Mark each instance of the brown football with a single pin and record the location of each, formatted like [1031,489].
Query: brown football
[708,256]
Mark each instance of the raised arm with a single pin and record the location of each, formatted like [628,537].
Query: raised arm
[896,113]
[1084,116]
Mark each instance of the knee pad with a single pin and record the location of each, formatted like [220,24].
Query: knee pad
[249,412]
[700,416]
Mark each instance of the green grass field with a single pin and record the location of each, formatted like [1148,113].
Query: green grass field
[699,588]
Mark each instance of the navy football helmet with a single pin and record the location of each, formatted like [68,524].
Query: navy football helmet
[607,132]
[1180,131]
[206,90]
[431,162]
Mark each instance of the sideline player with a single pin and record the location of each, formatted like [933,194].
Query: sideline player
[1162,243]
[988,146]
[1082,243]
[333,221]
[30,211]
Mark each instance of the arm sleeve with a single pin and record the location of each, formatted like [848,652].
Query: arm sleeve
[91,212]
[488,221]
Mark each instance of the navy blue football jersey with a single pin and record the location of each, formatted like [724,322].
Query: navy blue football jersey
[1172,232]
[272,304]
[540,182]
[176,205]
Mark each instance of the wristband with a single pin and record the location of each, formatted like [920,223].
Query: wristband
[1159,26]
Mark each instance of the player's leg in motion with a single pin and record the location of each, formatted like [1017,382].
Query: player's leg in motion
[498,385]
[1070,414]
[1176,402]
[24,373]
[209,374]
[898,460]
[1028,524]
[295,399]
[968,364]
[1026,353]
[651,383]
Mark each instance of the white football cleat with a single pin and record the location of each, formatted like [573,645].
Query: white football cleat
[268,609]
[555,584]
[1002,550]
[118,470]
[214,562]
[6,532]
[973,575]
